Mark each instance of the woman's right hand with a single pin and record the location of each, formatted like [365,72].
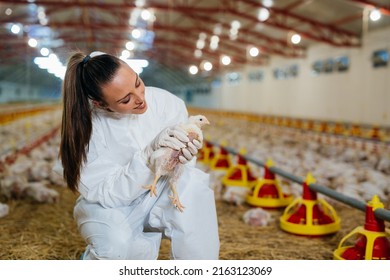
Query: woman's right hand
[173,137]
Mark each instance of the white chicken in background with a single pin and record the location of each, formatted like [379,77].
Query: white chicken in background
[257,217]
[4,209]
[165,161]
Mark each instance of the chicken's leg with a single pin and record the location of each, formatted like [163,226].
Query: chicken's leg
[152,187]
[175,198]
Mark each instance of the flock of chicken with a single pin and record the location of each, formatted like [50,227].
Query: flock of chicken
[354,167]
[29,176]
[347,166]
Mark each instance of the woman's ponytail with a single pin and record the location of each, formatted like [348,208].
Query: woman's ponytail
[76,122]
[83,80]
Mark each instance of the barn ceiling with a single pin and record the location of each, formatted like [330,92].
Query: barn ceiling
[179,32]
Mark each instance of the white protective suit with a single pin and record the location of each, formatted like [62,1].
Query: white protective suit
[116,215]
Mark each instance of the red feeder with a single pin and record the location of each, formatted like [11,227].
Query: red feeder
[240,174]
[371,240]
[221,161]
[267,192]
[309,215]
[206,154]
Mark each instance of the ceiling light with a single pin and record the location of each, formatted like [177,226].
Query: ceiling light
[32,42]
[45,51]
[202,36]
[125,54]
[253,51]
[140,3]
[263,14]
[233,36]
[136,33]
[43,21]
[130,45]
[218,29]
[193,69]
[198,53]
[146,15]
[233,32]
[207,66]
[214,42]
[235,24]
[296,39]
[41,13]
[213,45]
[268,3]
[375,15]
[200,44]
[53,57]
[8,11]
[214,38]
[15,29]
[52,64]
[226,60]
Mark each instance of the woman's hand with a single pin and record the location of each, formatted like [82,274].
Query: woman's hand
[190,151]
[173,137]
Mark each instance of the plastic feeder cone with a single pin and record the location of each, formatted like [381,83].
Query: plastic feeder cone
[308,215]
[267,192]
[206,154]
[221,161]
[372,241]
[239,174]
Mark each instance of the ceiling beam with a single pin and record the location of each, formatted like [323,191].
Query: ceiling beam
[347,38]
[384,9]
[268,45]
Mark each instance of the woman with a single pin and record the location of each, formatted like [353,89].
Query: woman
[111,124]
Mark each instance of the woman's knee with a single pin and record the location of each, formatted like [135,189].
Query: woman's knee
[127,247]
[110,247]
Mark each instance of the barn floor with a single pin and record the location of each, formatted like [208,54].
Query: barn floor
[34,231]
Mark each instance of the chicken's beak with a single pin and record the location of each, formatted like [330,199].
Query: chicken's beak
[207,121]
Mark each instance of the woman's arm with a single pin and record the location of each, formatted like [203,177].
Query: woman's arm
[110,183]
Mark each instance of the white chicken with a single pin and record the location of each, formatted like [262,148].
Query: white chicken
[165,161]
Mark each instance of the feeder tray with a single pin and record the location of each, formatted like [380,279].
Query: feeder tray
[308,215]
[206,154]
[267,192]
[221,161]
[371,240]
[240,174]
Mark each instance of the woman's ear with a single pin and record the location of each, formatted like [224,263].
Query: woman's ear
[98,104]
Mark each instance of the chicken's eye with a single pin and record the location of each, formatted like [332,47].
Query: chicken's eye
[201,119]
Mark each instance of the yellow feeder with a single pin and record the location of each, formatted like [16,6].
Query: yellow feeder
[206,154]
[221,161]
[371,240]
[240,174]
[267,192]
[308,215]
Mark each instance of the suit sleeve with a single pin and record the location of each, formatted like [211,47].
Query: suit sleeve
[112,184]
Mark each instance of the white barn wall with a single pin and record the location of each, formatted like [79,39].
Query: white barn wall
[361,94]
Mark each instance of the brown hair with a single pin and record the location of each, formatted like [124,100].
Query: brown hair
[83,80]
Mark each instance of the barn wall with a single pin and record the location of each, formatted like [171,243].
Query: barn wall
[360,94]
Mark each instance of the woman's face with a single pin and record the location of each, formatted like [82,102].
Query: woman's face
[125,93]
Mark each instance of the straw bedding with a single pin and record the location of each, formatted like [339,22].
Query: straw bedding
[34,231]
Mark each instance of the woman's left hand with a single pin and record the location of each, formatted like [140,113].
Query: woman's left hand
[190,151]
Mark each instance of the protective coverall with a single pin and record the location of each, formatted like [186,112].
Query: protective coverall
[116,216]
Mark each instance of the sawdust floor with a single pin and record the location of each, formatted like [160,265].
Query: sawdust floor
[35,231]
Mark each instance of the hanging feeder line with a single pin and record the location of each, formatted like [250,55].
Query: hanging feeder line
[379,213]
[9,156]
